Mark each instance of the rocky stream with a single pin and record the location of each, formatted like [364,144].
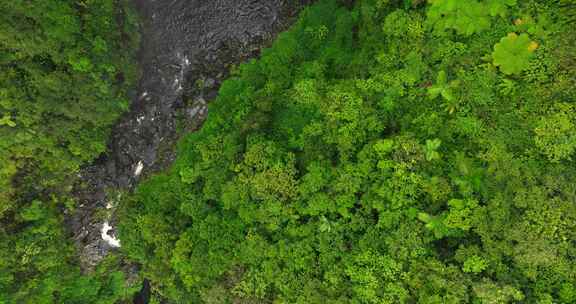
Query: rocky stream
[186,51]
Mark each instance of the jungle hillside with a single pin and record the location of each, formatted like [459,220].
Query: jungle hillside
[66,68]
[379,151]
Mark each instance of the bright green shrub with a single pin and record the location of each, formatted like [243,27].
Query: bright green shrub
[499,7]
[512,54]
[465,17]
[556,133]
[474,264]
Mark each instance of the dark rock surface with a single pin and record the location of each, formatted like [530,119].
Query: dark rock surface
[187,48]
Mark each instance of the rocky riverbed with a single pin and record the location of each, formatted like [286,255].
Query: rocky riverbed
[186,51]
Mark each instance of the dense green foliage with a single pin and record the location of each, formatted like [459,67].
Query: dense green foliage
[64,69]
[513,53]
[390,153]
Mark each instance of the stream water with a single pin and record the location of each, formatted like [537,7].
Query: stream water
[187,47]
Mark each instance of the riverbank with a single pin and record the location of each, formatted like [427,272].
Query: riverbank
[187,50]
